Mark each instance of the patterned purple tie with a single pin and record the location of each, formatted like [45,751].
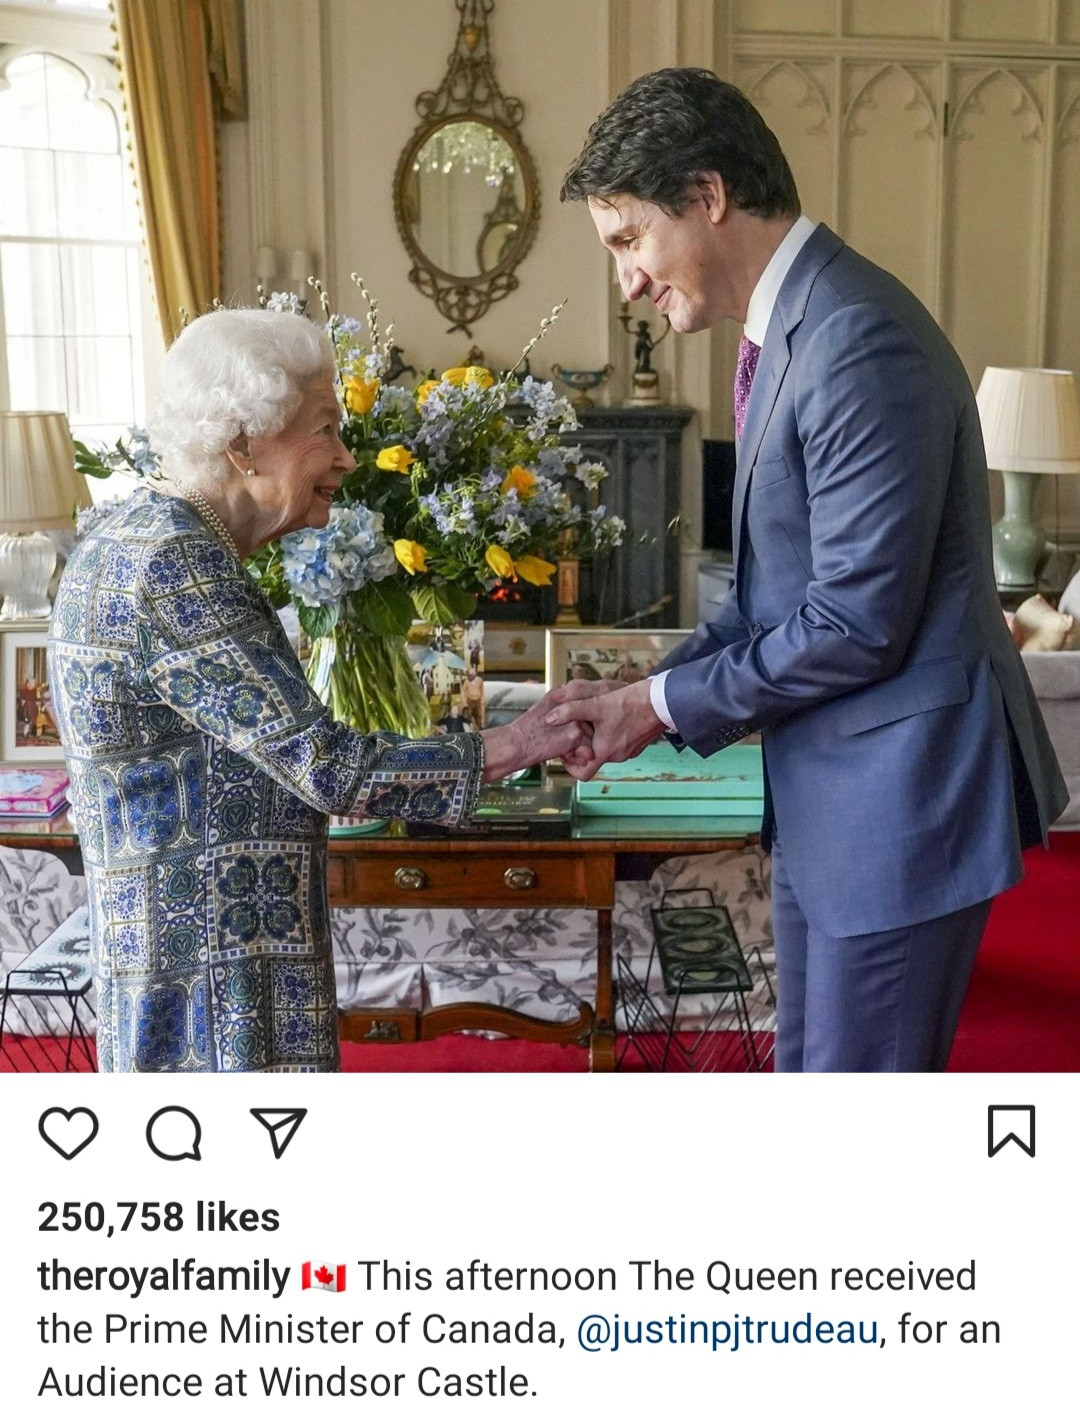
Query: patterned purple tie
[749,352]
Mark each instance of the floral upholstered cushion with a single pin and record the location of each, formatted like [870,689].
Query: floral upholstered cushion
[37,893]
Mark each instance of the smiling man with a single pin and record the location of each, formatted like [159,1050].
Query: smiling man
[906,761]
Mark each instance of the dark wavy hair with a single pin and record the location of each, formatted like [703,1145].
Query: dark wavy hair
[666,129]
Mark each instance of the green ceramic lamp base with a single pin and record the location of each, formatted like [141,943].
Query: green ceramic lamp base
[1018,541]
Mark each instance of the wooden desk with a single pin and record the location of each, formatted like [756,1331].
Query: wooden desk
[389,869]
[459,871]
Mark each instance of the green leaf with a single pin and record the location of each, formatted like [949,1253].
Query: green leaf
[384,607]
[443,604]
[90,463]
[318,620]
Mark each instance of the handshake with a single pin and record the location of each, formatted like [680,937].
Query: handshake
[584,723]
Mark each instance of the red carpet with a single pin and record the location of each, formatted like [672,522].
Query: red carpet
[1022,1012]
[1023,1007]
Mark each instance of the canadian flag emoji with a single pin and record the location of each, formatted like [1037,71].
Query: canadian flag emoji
[318,1275]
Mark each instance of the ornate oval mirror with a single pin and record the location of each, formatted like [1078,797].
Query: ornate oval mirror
[465,191]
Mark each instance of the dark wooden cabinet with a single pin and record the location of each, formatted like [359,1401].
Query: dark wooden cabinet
[642,450]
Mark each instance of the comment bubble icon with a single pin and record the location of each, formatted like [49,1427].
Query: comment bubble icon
[174,1133]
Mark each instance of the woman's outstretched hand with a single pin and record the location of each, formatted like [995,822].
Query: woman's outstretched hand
[621,721]
[530,739]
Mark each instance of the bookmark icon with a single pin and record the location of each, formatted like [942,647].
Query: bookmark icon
[281,1125]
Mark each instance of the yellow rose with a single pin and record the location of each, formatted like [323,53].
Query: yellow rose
[462,376]
[423,391]
[412,556]
[360,394]
[394,458]
[519,480]
[535,570]
[499,560]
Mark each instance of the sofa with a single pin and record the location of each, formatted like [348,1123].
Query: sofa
[1055,678]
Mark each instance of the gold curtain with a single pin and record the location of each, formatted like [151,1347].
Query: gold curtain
[180,64]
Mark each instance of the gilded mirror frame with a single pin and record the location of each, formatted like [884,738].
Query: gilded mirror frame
[470,94]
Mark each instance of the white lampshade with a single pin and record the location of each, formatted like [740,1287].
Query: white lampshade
[39,486]
[1030,419]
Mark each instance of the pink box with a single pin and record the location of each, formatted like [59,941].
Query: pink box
[30,792]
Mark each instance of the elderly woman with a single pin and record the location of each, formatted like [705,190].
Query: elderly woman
[202,766]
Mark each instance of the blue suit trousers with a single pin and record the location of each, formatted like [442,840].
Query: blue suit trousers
[884,1001]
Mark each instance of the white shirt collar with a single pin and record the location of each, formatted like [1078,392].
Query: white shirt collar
[759,310]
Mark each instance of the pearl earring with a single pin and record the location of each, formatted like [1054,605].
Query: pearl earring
[250,471]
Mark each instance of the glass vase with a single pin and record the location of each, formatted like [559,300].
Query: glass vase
[367,681]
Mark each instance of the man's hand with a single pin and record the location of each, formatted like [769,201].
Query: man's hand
[530,738]
[623,722]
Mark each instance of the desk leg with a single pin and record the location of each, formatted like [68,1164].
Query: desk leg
[602,1040]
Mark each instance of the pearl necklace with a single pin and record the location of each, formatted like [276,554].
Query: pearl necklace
[209,515]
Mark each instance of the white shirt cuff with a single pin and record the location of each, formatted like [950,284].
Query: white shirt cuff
[658,700]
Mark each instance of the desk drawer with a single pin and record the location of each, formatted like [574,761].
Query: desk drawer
[337,877]
[412,878]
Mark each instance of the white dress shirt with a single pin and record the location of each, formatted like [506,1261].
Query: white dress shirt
[759,311]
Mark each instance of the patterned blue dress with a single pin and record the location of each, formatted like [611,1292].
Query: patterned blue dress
[203,770]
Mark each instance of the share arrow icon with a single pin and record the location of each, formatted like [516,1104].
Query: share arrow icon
[281,1126]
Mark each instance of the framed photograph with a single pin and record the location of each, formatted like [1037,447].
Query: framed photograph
[28,732]
[448,660]
[582,652]
[513,649]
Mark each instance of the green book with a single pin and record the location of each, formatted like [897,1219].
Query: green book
[664,781]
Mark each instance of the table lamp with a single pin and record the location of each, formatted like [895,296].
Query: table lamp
[39,490]
[1031,425]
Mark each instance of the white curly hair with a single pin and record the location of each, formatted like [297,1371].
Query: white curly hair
[231,373]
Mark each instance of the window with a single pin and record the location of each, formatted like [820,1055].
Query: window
[75,308]
[71,4]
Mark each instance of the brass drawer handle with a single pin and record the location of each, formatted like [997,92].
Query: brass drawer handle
[518,879]
[410,879]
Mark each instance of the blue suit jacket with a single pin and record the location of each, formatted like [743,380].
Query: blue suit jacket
[906,759]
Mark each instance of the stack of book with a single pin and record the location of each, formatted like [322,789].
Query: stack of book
[663,782]
[514,809]
[27,792]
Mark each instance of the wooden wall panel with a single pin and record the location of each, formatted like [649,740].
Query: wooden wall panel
[914,19]
[1063,267]
[783,17]
[1069,22]
[796,101]
[994,188]
[1026,21]
[890,159]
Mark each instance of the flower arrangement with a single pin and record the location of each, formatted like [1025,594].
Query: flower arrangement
[458,486]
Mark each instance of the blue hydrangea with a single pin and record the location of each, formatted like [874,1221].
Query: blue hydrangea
[348,552]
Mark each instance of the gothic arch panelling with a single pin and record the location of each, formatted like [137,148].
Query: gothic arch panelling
[889,165]
[797,101]
[994,197]
[914,96]
[1063,289]
[796,88]
[972,102]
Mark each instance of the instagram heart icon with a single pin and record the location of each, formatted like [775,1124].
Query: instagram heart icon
[68,1132]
